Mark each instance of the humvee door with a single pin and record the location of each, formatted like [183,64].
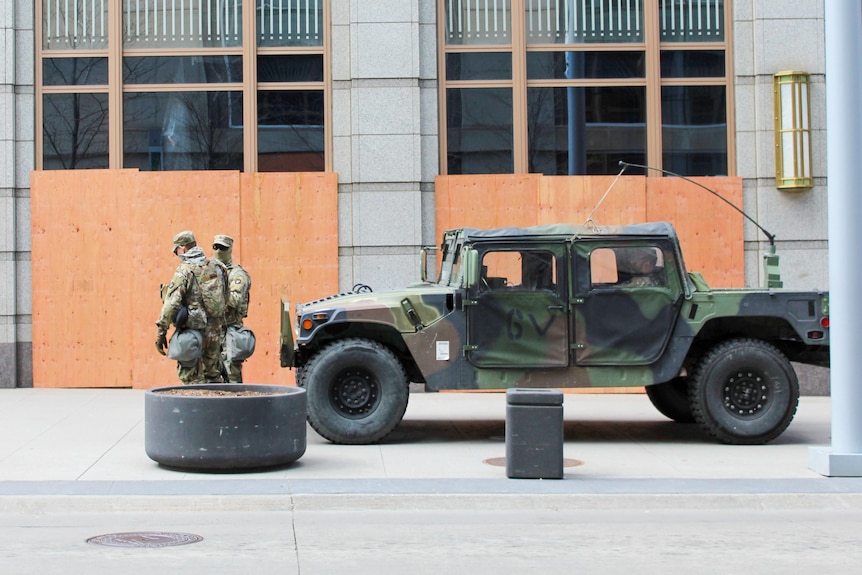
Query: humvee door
[627,300]
[519,318]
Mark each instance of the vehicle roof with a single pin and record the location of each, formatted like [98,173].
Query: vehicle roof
[572,231]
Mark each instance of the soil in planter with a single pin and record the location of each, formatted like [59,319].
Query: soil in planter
[192,392]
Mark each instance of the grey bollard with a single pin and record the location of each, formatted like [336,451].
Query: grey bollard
[534,434]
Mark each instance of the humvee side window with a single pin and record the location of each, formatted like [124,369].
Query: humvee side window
[633,266]
[531,270]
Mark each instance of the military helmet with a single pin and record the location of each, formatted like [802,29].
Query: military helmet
[223,240]
[184,239]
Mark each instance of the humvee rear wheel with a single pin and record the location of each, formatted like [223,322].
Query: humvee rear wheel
[744,392]
[671,399]
[357,391]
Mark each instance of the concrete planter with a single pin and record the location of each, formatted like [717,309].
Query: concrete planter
[225,432]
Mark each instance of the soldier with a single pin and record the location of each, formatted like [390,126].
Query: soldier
[199,284]
[642,268]
[239,285]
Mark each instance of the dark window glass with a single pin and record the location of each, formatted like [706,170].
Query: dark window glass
[74,131]
[585,131]
[585,65]
[75,72]
[182,131]
[479,66]
[692,64]
[290,131]
[301,68]
[182,69]
[479,131]
[694,130]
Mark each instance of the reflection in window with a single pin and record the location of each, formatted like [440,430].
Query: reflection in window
[74,131]
[479,66]
[75,72]
[694,130]
[182,69]
[479,130]
[572,65]
[290,68]
[182,131]
[290,131]
[692,64]
[585,131]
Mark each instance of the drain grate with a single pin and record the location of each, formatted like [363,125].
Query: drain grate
[501,462]
[145,539]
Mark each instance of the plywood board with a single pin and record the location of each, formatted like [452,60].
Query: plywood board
[101,245]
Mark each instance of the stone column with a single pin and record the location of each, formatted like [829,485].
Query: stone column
[16,162]
[384,137]
[844,140]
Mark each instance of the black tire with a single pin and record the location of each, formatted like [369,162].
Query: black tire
[671,399]
[300,376]
[744,392]
[357,391]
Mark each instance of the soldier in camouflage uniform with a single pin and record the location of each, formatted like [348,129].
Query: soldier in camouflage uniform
[239,285]
[185,290]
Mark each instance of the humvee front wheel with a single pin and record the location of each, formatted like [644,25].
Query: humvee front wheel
[357,391]
[671,399]
[744,392]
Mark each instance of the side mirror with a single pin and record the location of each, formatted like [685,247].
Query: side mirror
[426,252]
[470,264]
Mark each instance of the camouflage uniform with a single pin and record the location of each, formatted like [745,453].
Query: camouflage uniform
[184,290]
[239,285]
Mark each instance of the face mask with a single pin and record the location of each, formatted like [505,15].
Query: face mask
[224,256]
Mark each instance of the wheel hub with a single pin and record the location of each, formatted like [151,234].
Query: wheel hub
[356,393]
[745,393]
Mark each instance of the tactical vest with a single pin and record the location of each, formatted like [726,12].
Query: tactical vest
[209,290]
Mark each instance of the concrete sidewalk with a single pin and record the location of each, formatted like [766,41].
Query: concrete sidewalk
[90,443]
[641,494]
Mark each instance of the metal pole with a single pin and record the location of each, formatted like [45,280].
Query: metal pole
[843,27]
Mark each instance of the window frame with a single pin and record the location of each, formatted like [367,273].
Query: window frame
[249,87]
[653,82]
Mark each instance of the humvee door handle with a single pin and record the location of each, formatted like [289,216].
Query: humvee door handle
[555,308]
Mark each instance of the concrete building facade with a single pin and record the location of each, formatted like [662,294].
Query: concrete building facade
[385,127]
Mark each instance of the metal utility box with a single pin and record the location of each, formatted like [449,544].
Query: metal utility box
[534,434]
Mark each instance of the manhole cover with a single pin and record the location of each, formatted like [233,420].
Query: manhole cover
[145,539]
[501,462]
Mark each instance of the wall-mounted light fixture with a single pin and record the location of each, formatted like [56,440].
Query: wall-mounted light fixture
[792,130]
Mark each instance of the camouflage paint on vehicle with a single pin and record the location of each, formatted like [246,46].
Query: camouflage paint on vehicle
[574,332]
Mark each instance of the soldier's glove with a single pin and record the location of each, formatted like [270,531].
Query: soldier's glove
[162,342]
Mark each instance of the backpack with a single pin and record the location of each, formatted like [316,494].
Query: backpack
[212,283]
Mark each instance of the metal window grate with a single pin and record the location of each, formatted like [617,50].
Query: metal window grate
[692,20]
[75,24]
[578,21]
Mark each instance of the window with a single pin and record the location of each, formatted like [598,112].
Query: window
[571,87]
[627,267]
[520,270]
[173,85]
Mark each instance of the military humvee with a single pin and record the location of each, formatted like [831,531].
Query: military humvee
[560,306]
